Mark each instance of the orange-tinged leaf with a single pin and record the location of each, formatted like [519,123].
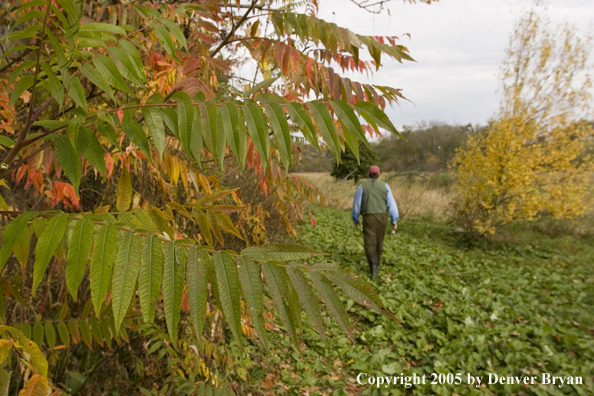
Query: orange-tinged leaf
[36,386]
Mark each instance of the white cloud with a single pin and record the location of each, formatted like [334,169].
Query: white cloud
[458,46]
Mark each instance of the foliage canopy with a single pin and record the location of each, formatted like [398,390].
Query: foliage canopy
[122,119]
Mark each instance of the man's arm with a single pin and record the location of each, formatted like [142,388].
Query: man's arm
[392,207]
[357,205]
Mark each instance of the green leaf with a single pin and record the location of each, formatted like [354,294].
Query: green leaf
[220,142]
[225,222]
[30,32]
[106,332]
[197,282]
[243,134]
[125,65]
[77,93]
[90,72]
[38,226]
[102,259]
[29,15]
[349,119]
[21,249]
[304,122]
[107,130]
[204,225]
[63,333]
[378,116]
[261,85]
[212,138]
[170,120]
[85,333]
[125,273]
[38,333]
[36,357]
[102,27]
[11,235]
[50,334]
[96,330]
[21,86]
[173,285]
[280,128]
[154,122]
[268,97]
[144,12]
[251,288]
[47,244]
[50,123]
[280,252]
[147,222]
[124,197]
[56,88]
[309,300]
[175,31]
[88,145]
[165,39]
[78,254]
[258,130]
[110,73]
[6,141]
[351,127]
[3,206]
[58,52]
[332,303]
[151,274]
[325,124]
[185,118]
[358,290]
[69,160]
[197,141]
[228,287]
[134,55]
[230,118]
[276,279]
[73,128]
[136,134]
[16,72]
[74,330]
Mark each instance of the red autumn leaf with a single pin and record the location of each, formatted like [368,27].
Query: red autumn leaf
[120,114]
[108,164]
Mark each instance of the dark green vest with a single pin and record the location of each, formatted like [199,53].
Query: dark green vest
[374,197]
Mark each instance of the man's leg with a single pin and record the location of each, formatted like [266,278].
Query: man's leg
[382,223]
[370,240]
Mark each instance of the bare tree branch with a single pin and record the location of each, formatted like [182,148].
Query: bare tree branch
[372,5]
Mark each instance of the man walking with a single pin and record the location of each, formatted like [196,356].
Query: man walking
[374,200]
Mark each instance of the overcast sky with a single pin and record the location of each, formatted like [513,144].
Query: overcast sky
[458,46]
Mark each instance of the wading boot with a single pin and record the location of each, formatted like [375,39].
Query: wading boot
[374,267]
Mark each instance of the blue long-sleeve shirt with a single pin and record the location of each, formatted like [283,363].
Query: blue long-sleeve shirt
[392,207]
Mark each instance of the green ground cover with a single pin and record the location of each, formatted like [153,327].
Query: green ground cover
[514,309]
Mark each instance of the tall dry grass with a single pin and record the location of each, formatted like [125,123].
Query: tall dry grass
[417,196]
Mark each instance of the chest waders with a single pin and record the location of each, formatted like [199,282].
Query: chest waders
[374,209]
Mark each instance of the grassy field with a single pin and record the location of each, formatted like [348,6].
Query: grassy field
[521,306]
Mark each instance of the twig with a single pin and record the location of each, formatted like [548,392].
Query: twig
[27,158]
[234,29]
[15,60]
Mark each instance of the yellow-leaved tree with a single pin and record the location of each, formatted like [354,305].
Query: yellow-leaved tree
[532,157]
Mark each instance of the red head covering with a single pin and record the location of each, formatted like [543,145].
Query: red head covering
[374,170]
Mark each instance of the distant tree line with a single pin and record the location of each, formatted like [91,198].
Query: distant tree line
[430,147]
